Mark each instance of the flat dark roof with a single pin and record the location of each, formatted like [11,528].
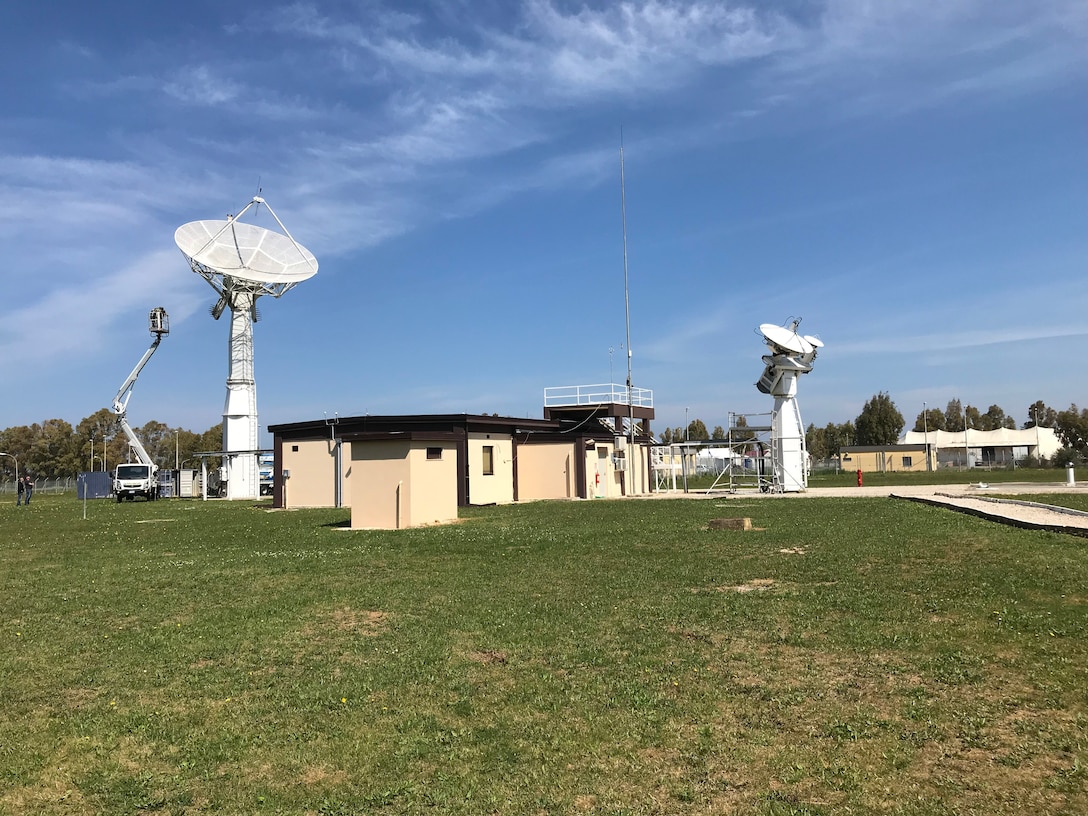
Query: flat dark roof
[416,423]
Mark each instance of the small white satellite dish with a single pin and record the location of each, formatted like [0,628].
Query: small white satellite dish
[792,355]
[246,251]
[786,339]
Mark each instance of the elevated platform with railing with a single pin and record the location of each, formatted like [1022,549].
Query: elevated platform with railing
[607,399]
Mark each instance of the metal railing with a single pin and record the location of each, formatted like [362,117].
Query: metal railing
[572,395]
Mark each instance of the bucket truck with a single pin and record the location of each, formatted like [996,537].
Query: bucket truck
[139,478]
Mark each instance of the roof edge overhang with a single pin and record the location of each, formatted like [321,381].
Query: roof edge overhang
[341,427]
[606,409]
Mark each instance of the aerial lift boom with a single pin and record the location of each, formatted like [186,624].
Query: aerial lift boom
[159,325]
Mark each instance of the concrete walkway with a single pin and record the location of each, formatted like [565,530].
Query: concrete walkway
[967,498]
[1029,515]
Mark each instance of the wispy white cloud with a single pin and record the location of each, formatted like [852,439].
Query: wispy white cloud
[885,343]
[199,85]
[64,321]
[888,58]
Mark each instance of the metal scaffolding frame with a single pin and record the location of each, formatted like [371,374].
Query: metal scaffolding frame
[750,443]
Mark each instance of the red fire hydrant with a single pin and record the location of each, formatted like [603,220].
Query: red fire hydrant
[859,477]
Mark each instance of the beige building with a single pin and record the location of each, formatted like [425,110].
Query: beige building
[405,471]
[888,458]
[998,448]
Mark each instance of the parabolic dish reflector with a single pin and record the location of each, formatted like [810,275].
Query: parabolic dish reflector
[786,339]
[246,251]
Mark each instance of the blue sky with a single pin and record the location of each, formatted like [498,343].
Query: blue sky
[907,177]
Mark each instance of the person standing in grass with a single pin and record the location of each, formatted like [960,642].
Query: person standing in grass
[29,491]
[20,487]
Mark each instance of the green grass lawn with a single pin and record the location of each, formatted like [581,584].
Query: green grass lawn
[611,657]
[950,476]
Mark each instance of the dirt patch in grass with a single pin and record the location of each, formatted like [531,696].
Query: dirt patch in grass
[316,775]
[46,797]
[585,802]
[488,657]
[755,585]
[689,634]
[973,775]
[79,698]
[364,622]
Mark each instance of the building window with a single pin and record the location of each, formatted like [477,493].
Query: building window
[489,460]
[907,461]
[294,449]
[434,453]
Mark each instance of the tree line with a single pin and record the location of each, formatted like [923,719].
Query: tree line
[881,423]
[56,450]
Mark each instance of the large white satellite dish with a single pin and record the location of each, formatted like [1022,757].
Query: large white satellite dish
[246,251]
[243,252]
[243,262]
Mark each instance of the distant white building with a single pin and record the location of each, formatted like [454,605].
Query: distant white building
[1001,447]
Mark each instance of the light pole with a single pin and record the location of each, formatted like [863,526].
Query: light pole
[925,430]
[1038,447]
[687,432]
[966,449]
[13,456]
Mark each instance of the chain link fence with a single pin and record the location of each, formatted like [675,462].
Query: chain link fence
[9,488]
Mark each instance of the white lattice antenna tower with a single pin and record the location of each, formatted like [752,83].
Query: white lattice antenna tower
[242,262]
[792,355]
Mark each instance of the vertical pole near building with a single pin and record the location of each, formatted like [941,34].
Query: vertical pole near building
[1038,445]
[925,427]
[337,466]
[627,315]
[966,450]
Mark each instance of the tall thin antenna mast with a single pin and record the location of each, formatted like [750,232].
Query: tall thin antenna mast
[627,313]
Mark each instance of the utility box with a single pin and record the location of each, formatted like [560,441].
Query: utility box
[95,484]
